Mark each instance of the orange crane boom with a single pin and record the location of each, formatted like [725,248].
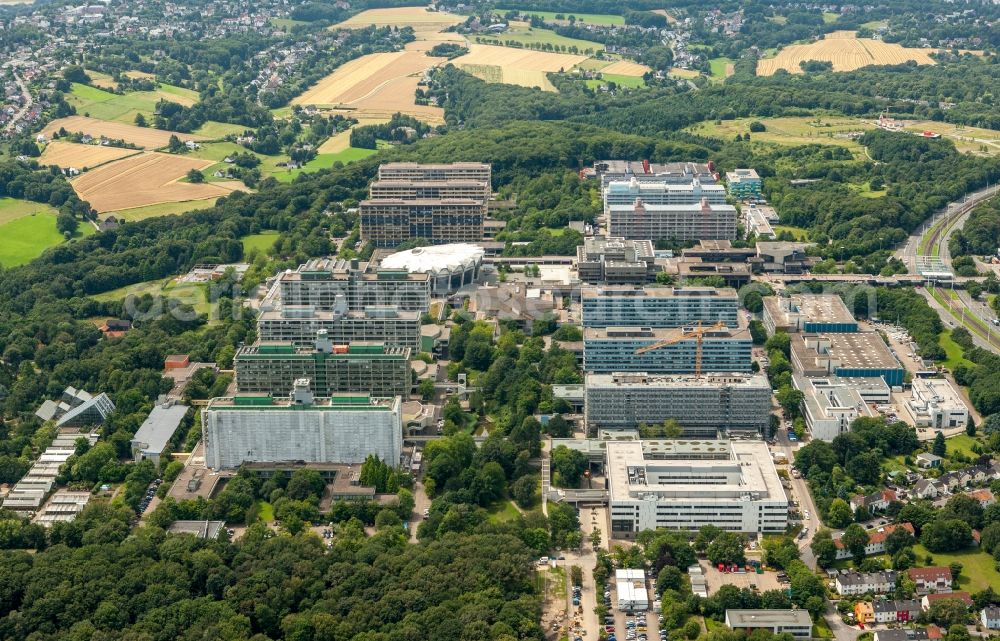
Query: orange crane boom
[697,334]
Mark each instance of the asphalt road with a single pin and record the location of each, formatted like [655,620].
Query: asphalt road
[800,493]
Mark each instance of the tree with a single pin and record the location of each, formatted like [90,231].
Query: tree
[140,120]
[426,388]
[948,612]
[523,490]
[839,514]
[305,483]
[726,548]
[899,539]
[990,537]
[567,466]
[963,508]
[824,549]
[790,400]
[939,448]
[195,176]
[855,539]
[946,535]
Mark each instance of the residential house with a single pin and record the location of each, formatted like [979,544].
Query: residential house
[990,617]
[927,460]
[903,634]
[876,502]
[876,540]
[985,497]
[927,489]
[896,611]
[933,579]
[858,583]
[864,613]
[929,599]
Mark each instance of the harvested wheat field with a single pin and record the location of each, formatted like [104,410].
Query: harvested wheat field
[71,154]
[663,12]
[626,68]
[376,86]
[419,18]
[517,66]
[145,137]
[145,179]
[845,51]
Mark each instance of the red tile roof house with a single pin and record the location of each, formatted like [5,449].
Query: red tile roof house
[935,579]
[985,497]
[876,540]
[929,599]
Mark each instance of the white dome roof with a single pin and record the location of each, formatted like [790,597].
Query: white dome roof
[436,259]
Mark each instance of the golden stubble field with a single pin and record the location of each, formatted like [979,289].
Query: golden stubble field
[626,68]
[847,53]
[516,66]
[145,137]
[146,179]
[71,154]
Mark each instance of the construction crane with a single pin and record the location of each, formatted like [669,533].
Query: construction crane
[697,333]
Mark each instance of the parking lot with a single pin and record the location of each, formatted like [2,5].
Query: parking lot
[763,582]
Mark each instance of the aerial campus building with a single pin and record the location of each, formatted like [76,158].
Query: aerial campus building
[795,622]
[651,172]
[334,284]
[370,368]
[683,222]
[702,405]
[685,484]
[855,354]
[447,267]
[615,349]
[626,192]
[442,204]
[259,428]
[615,261]
[152,439]
[300,325]
[744,183]
[809,313]
[76,408]
[658,307]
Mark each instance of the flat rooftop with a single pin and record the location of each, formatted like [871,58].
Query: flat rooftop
[640,167]
[595,246]
[741,331]
[159,427]
[667,381]
[343,270]
[658,292]
[739,175]
[673,470]
[360,350]
[854,350]
[683,208]
[811,308]
[444,165]
[341,402]
[456,182]
[628,186]
[759,618]
[304,312]
[421,202]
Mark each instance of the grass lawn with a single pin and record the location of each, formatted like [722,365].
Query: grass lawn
[798,232]
[503,511]
[286,23]
[217,130]
[105,105]
[830,17]
[712,624]
[265,511]
[162,209]
[589,18]
[528,35]
[978,572]
[621,81]
[323,161]
[718,66]
[13,208]
[821,630]
[962,443]
[189,94]
[261,242]
[194,294]
[874,24]
[952,350]
[26,237]
[865,191]
[792,130]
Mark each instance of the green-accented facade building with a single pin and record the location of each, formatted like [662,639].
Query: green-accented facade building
[272,367]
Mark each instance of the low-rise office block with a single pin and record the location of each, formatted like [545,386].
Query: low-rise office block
[858,354]
[616,349]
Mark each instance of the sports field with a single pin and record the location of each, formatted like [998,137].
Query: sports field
[145,137]
[71,154]
[146,179]
[516,66]
[846,51]
[29,228]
